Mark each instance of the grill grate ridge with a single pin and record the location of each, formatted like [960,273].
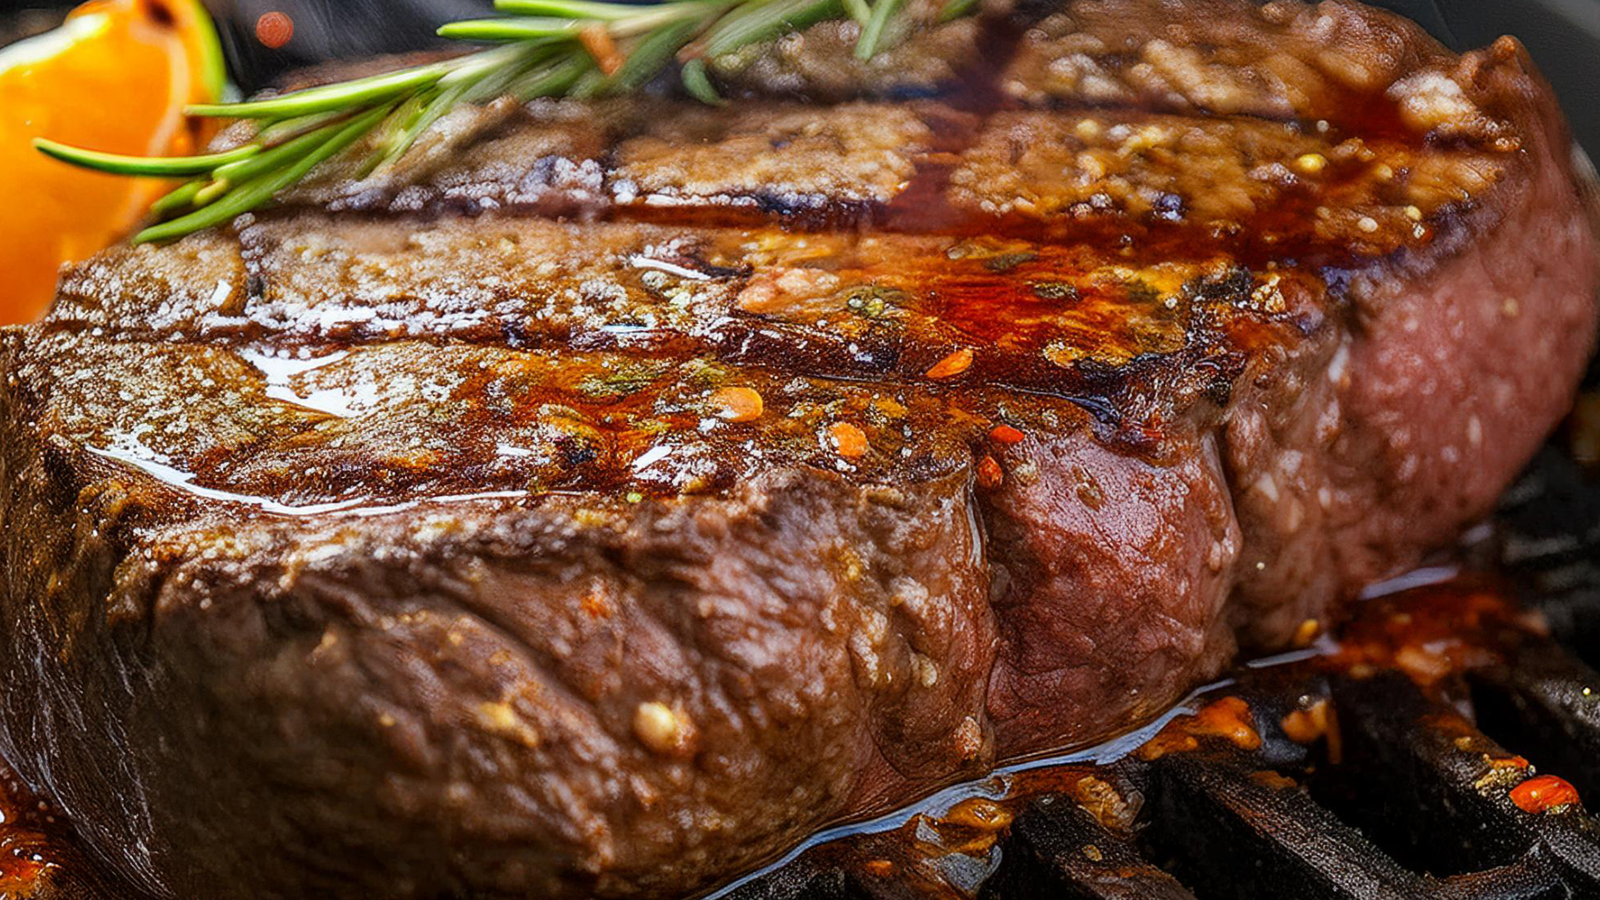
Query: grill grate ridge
[1397,795]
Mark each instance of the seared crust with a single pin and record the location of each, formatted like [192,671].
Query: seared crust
[413,518]
[1140,343]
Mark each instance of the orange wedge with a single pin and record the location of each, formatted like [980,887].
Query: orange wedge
[114,77]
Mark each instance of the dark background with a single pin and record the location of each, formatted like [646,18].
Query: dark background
[1563,35]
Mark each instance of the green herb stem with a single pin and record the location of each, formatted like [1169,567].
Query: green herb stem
[698,83]
[955,9]
[763,20]
[154,167]
[572,9]
[342,96]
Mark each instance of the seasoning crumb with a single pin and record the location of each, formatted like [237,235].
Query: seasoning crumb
[1054,290]
[502,718]
[969,738]
[663,729]
[1311,163]
[952,365]
[990,475]
[847,440]
[1005,262]
[737,404]
[1307,632]
[1005,434]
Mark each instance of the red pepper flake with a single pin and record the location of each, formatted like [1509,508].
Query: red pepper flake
[737,404]
[1544,793]
[597,40]
[595,605]
[952,365]
[1005,434]
[1509,762]
[990,475]
[847,440]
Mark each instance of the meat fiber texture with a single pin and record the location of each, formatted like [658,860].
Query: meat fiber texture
[610,495]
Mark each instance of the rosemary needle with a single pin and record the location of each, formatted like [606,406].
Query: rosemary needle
[260,189]
[872,32]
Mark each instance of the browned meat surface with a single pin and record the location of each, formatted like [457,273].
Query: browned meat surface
[610,496]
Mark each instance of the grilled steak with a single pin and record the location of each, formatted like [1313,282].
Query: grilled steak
[613,494]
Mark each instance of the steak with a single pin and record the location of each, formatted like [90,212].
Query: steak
[615,493]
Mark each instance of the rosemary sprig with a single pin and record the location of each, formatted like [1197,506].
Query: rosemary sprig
[543,48]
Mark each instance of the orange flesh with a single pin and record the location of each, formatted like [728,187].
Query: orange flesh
[114,78]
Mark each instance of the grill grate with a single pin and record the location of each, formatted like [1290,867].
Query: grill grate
[1357,777]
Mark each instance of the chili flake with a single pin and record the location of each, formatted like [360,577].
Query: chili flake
[1005,434]
[952,365]
[847,440]
[1544,793]
[990,475]
[737,404]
